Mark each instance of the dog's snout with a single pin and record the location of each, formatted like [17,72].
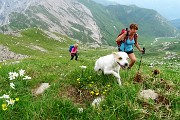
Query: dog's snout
[126,64]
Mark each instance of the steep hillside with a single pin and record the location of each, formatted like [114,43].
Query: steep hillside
[150,22]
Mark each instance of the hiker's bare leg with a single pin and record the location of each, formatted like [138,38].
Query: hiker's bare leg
[132,58]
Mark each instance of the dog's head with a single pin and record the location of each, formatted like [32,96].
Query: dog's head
[121,59]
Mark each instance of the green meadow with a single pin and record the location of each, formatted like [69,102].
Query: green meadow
[73,88]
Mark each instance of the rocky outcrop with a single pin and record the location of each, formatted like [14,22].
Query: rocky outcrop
[5,54]
[62,16]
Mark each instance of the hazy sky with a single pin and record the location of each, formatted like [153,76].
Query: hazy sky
[170,9]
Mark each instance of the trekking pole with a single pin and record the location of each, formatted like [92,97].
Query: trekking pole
[141,58]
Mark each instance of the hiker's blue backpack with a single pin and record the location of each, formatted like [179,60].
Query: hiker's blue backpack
[71,47]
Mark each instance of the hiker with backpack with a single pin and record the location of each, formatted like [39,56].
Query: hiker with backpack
[73,51]
[125,41]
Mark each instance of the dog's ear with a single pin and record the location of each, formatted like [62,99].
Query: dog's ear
[114,54]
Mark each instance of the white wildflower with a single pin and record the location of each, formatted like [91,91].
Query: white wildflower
[5,96]
[83,67]
[10,102]
[12,85]
[26,78]
[80,110]
[21,72]
[13,75]
[97,101]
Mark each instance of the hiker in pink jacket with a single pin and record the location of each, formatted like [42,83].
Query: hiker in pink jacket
[74,52]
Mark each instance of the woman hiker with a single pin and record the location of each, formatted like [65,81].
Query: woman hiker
[129,38]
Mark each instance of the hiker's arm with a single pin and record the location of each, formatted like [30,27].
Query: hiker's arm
[138,47]
[73,50]
[121,37]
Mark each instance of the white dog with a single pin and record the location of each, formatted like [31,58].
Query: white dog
[111,64]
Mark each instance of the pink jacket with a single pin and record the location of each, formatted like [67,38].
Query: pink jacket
[74,50]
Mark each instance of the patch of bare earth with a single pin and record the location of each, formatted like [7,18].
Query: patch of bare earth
[78,96]
[138,78]
[35,47]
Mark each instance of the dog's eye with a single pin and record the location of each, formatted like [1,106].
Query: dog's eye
[120,58]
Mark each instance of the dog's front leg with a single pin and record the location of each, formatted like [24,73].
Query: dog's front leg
[115,74]
[119,80]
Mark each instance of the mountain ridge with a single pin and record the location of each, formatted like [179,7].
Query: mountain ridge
[84,20]
[176,23]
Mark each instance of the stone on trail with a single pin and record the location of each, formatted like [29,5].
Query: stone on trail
[149,94]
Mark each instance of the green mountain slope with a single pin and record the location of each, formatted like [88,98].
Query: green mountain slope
[151,24]
[176,23]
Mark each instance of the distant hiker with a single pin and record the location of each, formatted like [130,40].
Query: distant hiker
[126,41]
[74,51]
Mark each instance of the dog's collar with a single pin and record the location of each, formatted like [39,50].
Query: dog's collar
[120,65]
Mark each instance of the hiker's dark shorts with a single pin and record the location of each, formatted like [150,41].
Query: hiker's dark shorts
[128,52]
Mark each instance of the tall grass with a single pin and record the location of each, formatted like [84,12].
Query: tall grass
[73,87]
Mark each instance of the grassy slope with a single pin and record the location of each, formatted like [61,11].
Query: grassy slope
[67,94]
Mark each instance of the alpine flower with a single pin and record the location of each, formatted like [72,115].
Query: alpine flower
[16,99]
[4,106]
[12,85]
[83,67]
[10,102]
[26,78]
[13,75]
[21,72]
[5,96]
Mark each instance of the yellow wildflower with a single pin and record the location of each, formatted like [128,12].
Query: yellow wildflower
[104,92]
[92,92]
[97,93]
[92,82]
[78,79]
[109,85]
[4,106]
[16,99]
